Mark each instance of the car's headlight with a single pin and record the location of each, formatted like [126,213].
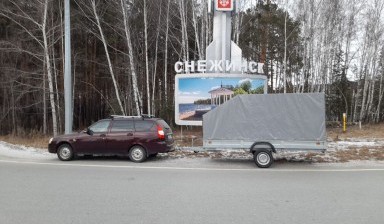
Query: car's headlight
[50,140]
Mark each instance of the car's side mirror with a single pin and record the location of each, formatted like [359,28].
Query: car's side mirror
[88,131]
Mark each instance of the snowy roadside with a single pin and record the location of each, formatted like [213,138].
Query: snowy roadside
[25,152]
[351,151]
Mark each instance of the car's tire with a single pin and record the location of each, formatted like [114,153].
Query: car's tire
[65,152]
[137,154]
[263,158]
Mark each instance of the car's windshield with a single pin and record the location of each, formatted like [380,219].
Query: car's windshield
[101,126]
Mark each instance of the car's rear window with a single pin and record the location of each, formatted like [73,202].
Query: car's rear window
[163,124]
[143,125]
[122,126]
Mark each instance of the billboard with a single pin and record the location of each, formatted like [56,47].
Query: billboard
[197,94]
[224,5]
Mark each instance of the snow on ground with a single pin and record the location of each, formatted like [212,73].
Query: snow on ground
[352,152]
[357,143]
[20,151]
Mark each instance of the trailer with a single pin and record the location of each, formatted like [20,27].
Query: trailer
[267,123]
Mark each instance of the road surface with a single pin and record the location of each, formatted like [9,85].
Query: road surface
[115,190]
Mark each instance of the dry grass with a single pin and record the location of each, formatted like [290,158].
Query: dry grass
[366,131]
[343,156]
[37,141]
[187,154]
[189,137]
[372,153]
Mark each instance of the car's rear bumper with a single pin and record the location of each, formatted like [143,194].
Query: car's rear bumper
[171,148]
[161,147]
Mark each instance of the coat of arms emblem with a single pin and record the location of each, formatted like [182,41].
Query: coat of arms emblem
[224,3]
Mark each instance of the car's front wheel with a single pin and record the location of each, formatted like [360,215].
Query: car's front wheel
[137,154]
[65,152]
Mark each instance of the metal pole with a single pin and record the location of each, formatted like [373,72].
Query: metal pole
[285,52]
[67,69]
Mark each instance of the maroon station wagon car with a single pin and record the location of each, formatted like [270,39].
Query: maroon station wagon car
[139,137]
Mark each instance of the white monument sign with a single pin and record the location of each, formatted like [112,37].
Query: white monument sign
[204,84]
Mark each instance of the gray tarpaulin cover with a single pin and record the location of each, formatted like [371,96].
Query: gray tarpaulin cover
[297,117]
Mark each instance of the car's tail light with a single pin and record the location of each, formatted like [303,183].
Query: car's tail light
[160,132]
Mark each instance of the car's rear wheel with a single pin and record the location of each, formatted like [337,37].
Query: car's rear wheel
[65,152]
[137,154]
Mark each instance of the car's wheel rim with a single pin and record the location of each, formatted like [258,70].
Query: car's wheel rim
[65,153]
[137,154]
[263,158]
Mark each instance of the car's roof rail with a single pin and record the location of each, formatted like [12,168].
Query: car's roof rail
[141,116]
[123,116]
[147,116]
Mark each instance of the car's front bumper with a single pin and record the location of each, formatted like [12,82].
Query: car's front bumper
[52,147]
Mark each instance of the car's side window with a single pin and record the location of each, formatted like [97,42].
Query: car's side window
[143,125]
[99,127]
[122,126]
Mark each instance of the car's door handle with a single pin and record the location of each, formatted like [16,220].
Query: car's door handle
[130,134]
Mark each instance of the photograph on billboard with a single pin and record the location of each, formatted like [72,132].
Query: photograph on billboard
[196,94]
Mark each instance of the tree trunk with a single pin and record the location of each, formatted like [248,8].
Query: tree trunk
[184,34]
[108,58]
[44,106]
[49,71]
[155,64]
[194,19]
[131,62]
[146,58]
[166,57]
[381,93]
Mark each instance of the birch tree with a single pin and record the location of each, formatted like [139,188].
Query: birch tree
[136,93]
[21,15]
[372,37]
[154,76]
[195,7]
[116,87]
[166,55]
[146,58]
[49,70]
[184,33]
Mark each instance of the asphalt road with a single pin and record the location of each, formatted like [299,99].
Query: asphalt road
[118,191]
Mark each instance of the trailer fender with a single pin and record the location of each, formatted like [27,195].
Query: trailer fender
[258,144]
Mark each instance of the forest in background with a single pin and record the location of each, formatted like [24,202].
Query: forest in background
[123,55]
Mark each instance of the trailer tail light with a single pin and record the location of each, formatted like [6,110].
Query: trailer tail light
[160,132]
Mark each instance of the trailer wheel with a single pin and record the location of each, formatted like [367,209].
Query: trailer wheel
[263,158]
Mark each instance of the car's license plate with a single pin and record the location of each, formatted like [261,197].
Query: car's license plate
[170,136]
